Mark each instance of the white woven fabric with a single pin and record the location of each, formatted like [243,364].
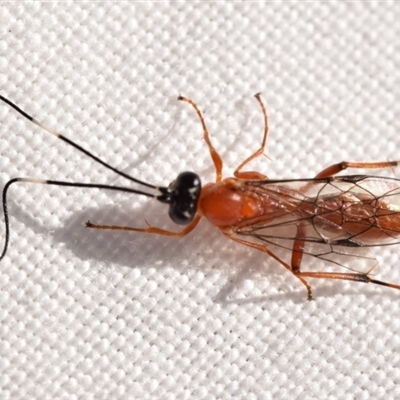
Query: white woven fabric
[100,314]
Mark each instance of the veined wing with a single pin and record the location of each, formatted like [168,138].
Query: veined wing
[337,218]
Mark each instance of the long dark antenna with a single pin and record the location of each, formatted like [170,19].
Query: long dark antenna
[163,194]
[71,143]
[57,183]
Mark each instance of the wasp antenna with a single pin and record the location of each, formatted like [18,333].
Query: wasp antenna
[73,144]
[62,183]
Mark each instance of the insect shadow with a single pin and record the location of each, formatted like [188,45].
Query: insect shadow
[192,252]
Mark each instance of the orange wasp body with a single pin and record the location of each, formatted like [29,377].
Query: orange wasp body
[331,218]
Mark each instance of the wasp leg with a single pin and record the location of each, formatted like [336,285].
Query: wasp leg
[150,229]
[298,249]
[264,249]
[253,175]
[297,255]
[336,168]
[217,160]
[346,276]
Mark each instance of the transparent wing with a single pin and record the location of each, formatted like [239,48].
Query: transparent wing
[336,218]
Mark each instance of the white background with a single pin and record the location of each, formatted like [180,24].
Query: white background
[100,314]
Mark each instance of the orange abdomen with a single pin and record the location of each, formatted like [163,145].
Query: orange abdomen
[363,217]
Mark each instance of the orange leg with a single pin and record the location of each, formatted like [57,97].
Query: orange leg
[297,255]
[150,229]
[336,168]
[347,276]
[253,175]
[217,160]
[264,249]
[342,166]
[298,249]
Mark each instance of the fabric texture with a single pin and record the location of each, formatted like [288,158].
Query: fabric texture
[111,314]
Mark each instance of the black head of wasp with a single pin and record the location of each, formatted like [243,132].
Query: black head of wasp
[333,218]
